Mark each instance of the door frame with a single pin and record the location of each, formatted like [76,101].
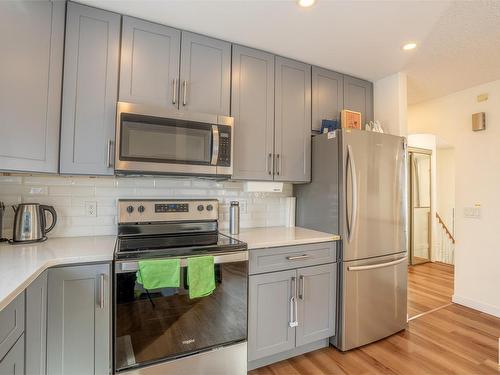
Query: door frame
[411,152]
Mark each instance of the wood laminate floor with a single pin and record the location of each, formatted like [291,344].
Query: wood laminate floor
[451,340]
[430,285]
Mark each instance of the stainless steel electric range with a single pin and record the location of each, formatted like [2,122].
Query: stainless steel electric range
[162,330]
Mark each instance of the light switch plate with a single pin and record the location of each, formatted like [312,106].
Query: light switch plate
[91,208]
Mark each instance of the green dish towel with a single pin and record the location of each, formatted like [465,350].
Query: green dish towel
[159,273]
[200,276]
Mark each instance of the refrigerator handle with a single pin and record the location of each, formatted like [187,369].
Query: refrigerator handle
[354,195]
[379,265]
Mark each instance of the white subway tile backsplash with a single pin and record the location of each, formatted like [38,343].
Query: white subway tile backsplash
[68,195]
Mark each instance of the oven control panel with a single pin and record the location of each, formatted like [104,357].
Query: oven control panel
[153,210]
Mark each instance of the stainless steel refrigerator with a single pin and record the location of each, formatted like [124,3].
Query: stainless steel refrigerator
[359,190]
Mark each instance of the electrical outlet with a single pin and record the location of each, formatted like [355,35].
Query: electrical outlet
[91,208]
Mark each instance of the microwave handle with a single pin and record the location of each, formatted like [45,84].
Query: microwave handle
[215,145]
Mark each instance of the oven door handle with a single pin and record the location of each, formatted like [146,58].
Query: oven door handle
[215,145]
[123,266]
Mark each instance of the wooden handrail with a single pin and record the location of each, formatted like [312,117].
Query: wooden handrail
[441,221]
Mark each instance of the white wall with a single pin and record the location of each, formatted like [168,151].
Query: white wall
[390,103]
[69,194]
[445,159]
[477,177]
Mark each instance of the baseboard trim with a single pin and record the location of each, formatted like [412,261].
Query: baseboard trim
[476,305]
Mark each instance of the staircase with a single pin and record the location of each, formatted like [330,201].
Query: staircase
[445,243]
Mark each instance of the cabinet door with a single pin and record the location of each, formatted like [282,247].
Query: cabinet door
[36,326]
[11,323]
[32,37]
[269,304]
[90,90]
[13,362]
[316,297]
[327,96]
[292,121]
[149,68]
[358,96]
[78,327]
[252,106]
[205,74]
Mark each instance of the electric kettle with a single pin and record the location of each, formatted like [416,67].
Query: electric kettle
[30,224]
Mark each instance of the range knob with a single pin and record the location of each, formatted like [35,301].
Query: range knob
[210,207]
[141,209]
[130,209]
[200,207]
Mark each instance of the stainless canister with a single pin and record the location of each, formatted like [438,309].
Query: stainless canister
[234,217]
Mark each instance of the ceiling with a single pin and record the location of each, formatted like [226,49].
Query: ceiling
[458,40]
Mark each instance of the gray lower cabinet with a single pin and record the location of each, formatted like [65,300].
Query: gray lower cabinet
[11,324]
[269,331]
[36,326]
[205,74]
[327,96]
[13,362]
[292,121]
[90,90]
[252,106]
[316,303]
[30,84]
[149,66]
[291,311]
[358,96]
[78,330]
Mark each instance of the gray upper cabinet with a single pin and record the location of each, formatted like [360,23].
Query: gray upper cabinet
[36,326]
[30,84]
[327,96]
[78,327]
[205,74]
[269,304]
[149,67]
[358,96]
[316,307]
[292,121]
[252,106]
[13,362]
[90,90]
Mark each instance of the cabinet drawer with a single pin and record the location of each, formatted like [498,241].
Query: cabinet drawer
[11,324]
[290,257]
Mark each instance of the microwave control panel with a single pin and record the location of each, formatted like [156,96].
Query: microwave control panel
[224,146]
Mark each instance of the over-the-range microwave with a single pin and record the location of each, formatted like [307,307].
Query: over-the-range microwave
[151,140]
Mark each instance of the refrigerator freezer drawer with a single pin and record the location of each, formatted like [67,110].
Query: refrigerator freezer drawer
[374,299]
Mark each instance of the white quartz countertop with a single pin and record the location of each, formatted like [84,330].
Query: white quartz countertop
[258,238]
[21,264]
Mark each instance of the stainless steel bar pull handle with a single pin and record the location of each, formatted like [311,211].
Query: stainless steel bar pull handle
[293,303]
[301,287]
[101,291]
[378,265]
[174,91]
[278,165]
[298,257]
[184,92]
[109,155]
[269,161]
[351,219]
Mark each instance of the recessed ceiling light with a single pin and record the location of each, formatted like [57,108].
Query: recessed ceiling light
[306,3]
[410,46]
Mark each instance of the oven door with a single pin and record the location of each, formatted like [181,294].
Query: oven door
[152,140]
[156,325]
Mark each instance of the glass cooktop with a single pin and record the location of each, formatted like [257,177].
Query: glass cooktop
[175,245]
